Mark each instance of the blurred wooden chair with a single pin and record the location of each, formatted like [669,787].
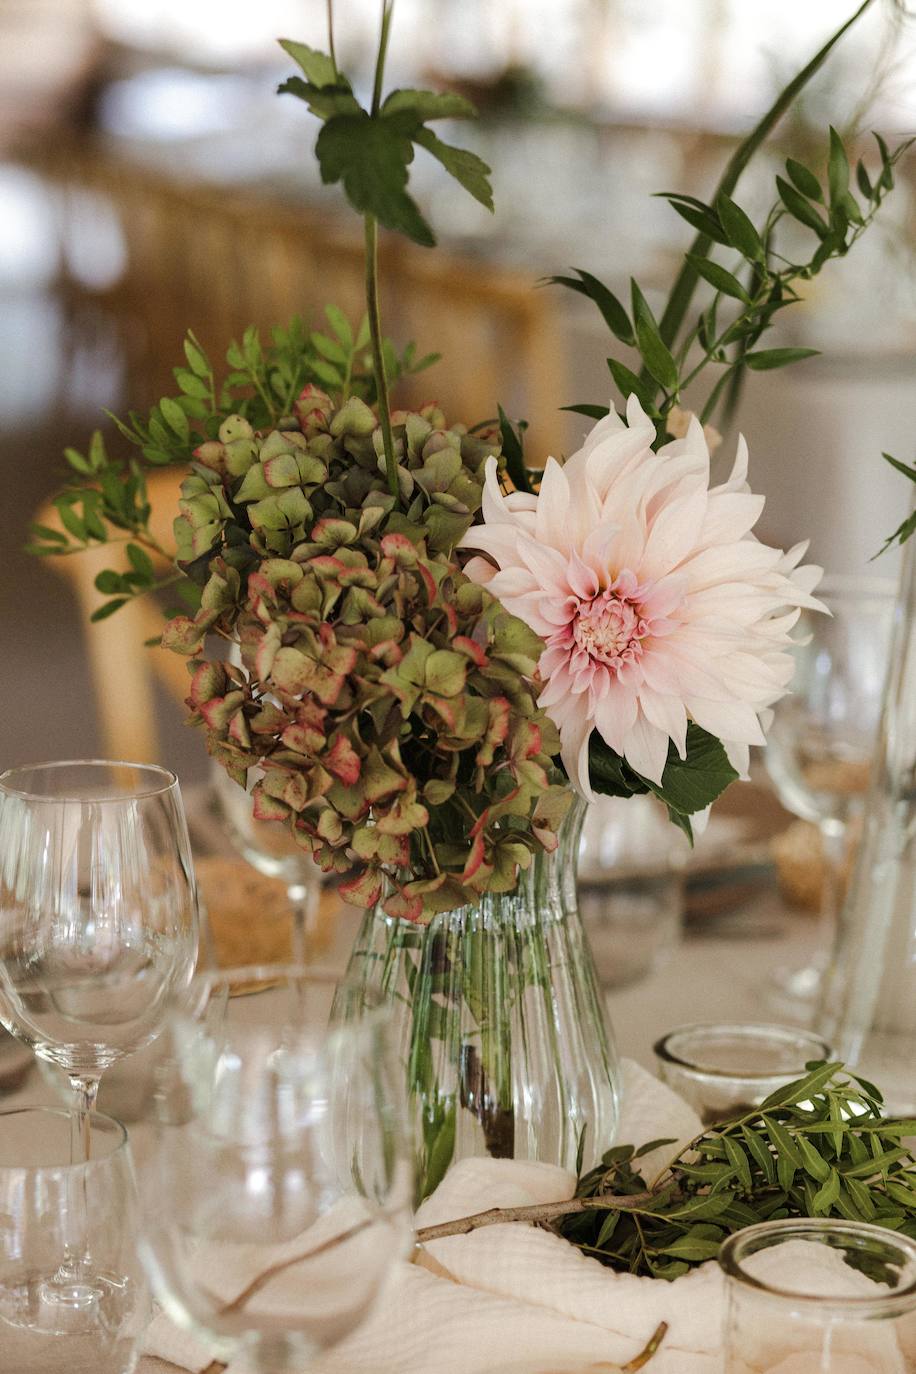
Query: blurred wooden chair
[219,258]
[124,671]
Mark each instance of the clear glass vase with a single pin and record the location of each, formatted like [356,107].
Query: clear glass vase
[502,1027]
[868,1010]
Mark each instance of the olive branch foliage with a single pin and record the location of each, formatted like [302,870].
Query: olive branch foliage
[818,1147]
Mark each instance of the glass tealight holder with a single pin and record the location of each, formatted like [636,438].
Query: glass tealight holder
[819,1297]
[726,1069]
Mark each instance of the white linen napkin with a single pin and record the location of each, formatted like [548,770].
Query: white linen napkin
[515,1299]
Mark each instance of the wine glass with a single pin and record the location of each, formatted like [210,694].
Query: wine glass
[39,1334]
[822,737]
[280,1181]
[98,914]
[270,848]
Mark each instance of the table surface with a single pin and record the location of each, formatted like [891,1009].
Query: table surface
[719,971]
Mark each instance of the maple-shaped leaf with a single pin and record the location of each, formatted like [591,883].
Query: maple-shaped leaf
[371,157]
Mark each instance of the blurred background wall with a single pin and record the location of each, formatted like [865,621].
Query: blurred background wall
[150,180]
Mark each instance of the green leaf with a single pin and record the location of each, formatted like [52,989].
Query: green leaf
[738,1160]
[323,101]
[608,1227]
[739,229]
[628,384]
[428,105]
[693,1247]
[804,180]
[108,609]
[656,356]
[801,1089]
[371,157]
[70,520]
[175,417]
[197,359]
[330,349]
[910,472]
[608,773]
[466,167]
[77,461]
[767,358]
[698,216]
[318,67]
[814,1162]
[760,1153]
[191,384]
[783,1142]
[513,453]
[46,532]
[141,562]
[340,325]
[592,411]
[718,277]
[613,313]
[691,784]
[800,208]
[837,168]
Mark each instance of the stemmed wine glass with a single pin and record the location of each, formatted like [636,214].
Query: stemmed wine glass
[821,740]
[98,914]
[270,849]
[280,1183]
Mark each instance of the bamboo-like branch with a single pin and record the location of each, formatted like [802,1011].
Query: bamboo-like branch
[686,282]
[645,1356]
[538,1212]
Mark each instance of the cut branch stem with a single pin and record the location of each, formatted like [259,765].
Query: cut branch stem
[538,1212]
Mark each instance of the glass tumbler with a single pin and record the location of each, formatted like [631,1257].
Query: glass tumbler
[819,1297]
[49,1210]
[724,1070]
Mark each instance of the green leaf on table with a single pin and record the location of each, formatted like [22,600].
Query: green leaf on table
[371,157]
[718,277]
[693,1247]
[739,229]
[466,167]
[764,359]
[804,179]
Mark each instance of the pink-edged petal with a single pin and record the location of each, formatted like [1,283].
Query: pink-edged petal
[552,524]
[615,714]
[667,713]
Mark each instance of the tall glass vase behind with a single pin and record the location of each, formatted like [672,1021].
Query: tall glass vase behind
[502,1029]
[868,1010]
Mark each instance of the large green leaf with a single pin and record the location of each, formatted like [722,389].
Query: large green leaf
[428,105]
[466,167]
[371,157]
[318,67]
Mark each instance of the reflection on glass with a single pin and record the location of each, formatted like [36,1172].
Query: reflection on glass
[280,1190]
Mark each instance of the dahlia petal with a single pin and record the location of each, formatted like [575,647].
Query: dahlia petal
[575,733]
[615,715]
[646,749]
[667,713]
[479,570]
[739,756]
[734,721]
[552,526]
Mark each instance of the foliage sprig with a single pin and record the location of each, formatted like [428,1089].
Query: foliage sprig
[818,1147]
[749,292]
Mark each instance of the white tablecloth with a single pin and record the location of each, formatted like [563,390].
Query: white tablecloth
[719,974]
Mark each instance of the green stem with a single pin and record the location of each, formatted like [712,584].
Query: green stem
[688,277]
[372,301]
[378,357]
[330,8]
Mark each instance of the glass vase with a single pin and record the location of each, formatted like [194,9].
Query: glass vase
[868,1010]
[501,1025]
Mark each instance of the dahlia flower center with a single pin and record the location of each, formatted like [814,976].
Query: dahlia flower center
[609,629]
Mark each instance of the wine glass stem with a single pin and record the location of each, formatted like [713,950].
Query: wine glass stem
[85,1092]
[834,843]
[302,900]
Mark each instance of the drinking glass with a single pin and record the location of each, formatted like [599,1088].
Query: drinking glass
[819,1297]
[40,1333]
[271,849]
[98,914]
[823,733]
[725,1069]
[279,1186]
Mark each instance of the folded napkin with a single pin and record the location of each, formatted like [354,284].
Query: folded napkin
[515,1299]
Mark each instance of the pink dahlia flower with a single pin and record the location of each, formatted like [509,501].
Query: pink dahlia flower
[656,603]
